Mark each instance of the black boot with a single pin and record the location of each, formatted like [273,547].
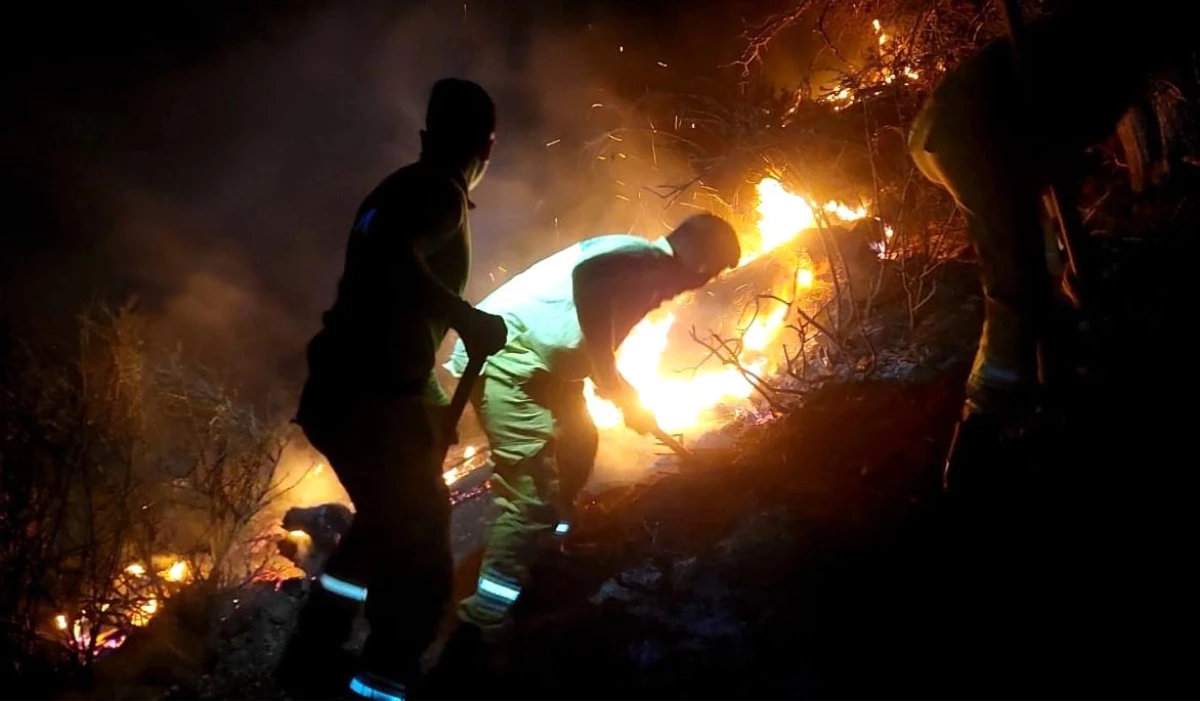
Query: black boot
[986,459]
[388,669]
[975,438]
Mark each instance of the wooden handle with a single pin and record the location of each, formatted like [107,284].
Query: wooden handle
[462,393]
[669,441]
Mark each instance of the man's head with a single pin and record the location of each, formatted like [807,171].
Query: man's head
[460,127]
[704,245]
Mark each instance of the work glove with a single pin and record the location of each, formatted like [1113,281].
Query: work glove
[483,334]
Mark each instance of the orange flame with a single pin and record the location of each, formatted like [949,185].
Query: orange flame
[683,401]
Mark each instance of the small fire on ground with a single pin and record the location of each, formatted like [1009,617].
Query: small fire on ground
[135,599]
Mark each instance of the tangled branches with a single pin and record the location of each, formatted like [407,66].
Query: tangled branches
[123,476]
[759,36]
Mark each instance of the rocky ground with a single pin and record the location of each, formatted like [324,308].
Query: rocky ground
[814,556]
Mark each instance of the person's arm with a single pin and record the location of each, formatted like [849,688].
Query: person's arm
[426,216]
[613,291]
[436,213]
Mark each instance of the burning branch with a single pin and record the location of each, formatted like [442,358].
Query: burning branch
[808,320]
[727,351]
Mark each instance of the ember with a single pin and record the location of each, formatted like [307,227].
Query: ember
[467,462]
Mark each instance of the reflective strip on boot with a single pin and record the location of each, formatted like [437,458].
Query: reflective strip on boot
[995,389]
[496,593]
[372,686]
[989,374]
[343,588]
[562,528]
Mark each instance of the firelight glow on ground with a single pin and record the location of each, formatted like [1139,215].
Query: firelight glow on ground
[684,401]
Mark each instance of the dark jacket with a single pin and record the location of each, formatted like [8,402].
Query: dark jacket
[381,335]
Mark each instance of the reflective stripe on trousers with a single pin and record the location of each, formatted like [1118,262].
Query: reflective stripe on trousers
[343,588]
[496,592]
[370,686]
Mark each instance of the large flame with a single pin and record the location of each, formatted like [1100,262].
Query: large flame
[683,400]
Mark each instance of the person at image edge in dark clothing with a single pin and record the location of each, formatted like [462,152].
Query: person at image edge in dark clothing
[373,407]
[994,144]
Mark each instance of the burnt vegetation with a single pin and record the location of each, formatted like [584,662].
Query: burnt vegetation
[129,476]
[138,490]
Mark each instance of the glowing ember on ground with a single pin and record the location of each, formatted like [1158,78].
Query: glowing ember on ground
[470,459]
[682,400]
[142,614]
[135,600]
[81,637]
[177,572]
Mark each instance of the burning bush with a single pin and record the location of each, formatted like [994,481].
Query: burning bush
[836,222]
[126,475]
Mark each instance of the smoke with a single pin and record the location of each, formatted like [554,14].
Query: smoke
[221,193]
[232,182]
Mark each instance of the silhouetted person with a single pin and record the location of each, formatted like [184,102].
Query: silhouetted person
[994,139]
[373,406]
[566,316]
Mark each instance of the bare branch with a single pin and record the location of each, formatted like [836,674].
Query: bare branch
[760,36]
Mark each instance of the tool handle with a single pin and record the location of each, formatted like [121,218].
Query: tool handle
[669,441]
[462,394]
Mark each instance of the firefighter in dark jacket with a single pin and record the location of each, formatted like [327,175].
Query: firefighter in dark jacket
[566,316]
[373,407]
[994,137]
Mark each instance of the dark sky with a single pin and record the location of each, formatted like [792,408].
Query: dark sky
[207,156]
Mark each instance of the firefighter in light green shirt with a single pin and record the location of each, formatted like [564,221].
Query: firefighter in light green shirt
[566,316]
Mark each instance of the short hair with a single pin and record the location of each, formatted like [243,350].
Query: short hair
[460,110]
[712,237]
